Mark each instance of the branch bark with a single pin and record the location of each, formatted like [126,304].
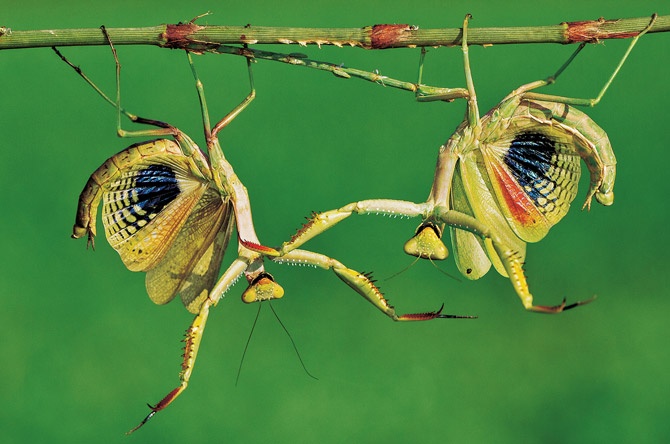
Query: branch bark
[196,37]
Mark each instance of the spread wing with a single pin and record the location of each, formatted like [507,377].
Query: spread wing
[146,205]
[534,176]
[471,195]
[191,264]
[162,218]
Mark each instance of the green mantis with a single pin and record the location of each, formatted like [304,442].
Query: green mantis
[169,209]
[504,179]
[501,180]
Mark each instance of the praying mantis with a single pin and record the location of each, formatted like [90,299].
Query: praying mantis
[501,180]
[169,210]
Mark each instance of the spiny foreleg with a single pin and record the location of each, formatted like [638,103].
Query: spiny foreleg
[320,222]
[192,341]
[362,283]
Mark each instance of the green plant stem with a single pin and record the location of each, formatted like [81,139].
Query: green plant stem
[195,36]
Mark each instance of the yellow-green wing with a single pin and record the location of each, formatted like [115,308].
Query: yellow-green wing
[484,208]
[191,265]
[204,275]
[588,140]
[471,259]
[146,205]
[533,171]
[111,169]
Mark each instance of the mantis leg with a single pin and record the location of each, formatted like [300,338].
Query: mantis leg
[468,93]
[187,145]
[362,283]
[234,113]
[213,132]
[576,101]
[191,346]
[223,172]
[473,109]
[320,222]
[264,285]
[510,258]
[164,129]
[426,93]
[429,94]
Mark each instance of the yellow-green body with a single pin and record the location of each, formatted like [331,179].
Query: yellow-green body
[501,180]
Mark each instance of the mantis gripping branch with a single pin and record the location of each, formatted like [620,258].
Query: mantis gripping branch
[379,36]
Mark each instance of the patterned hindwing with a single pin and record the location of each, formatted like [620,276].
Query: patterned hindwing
[587,139]
[534,174]
[146,204]
[110,170]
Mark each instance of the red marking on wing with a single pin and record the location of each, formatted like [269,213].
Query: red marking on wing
[516,200]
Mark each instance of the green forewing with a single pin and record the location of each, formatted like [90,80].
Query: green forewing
[191,263]
[471,176]
[471,259]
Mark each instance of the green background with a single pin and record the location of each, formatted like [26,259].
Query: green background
[83,348]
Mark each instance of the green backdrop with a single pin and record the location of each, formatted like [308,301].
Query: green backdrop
[83,348]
